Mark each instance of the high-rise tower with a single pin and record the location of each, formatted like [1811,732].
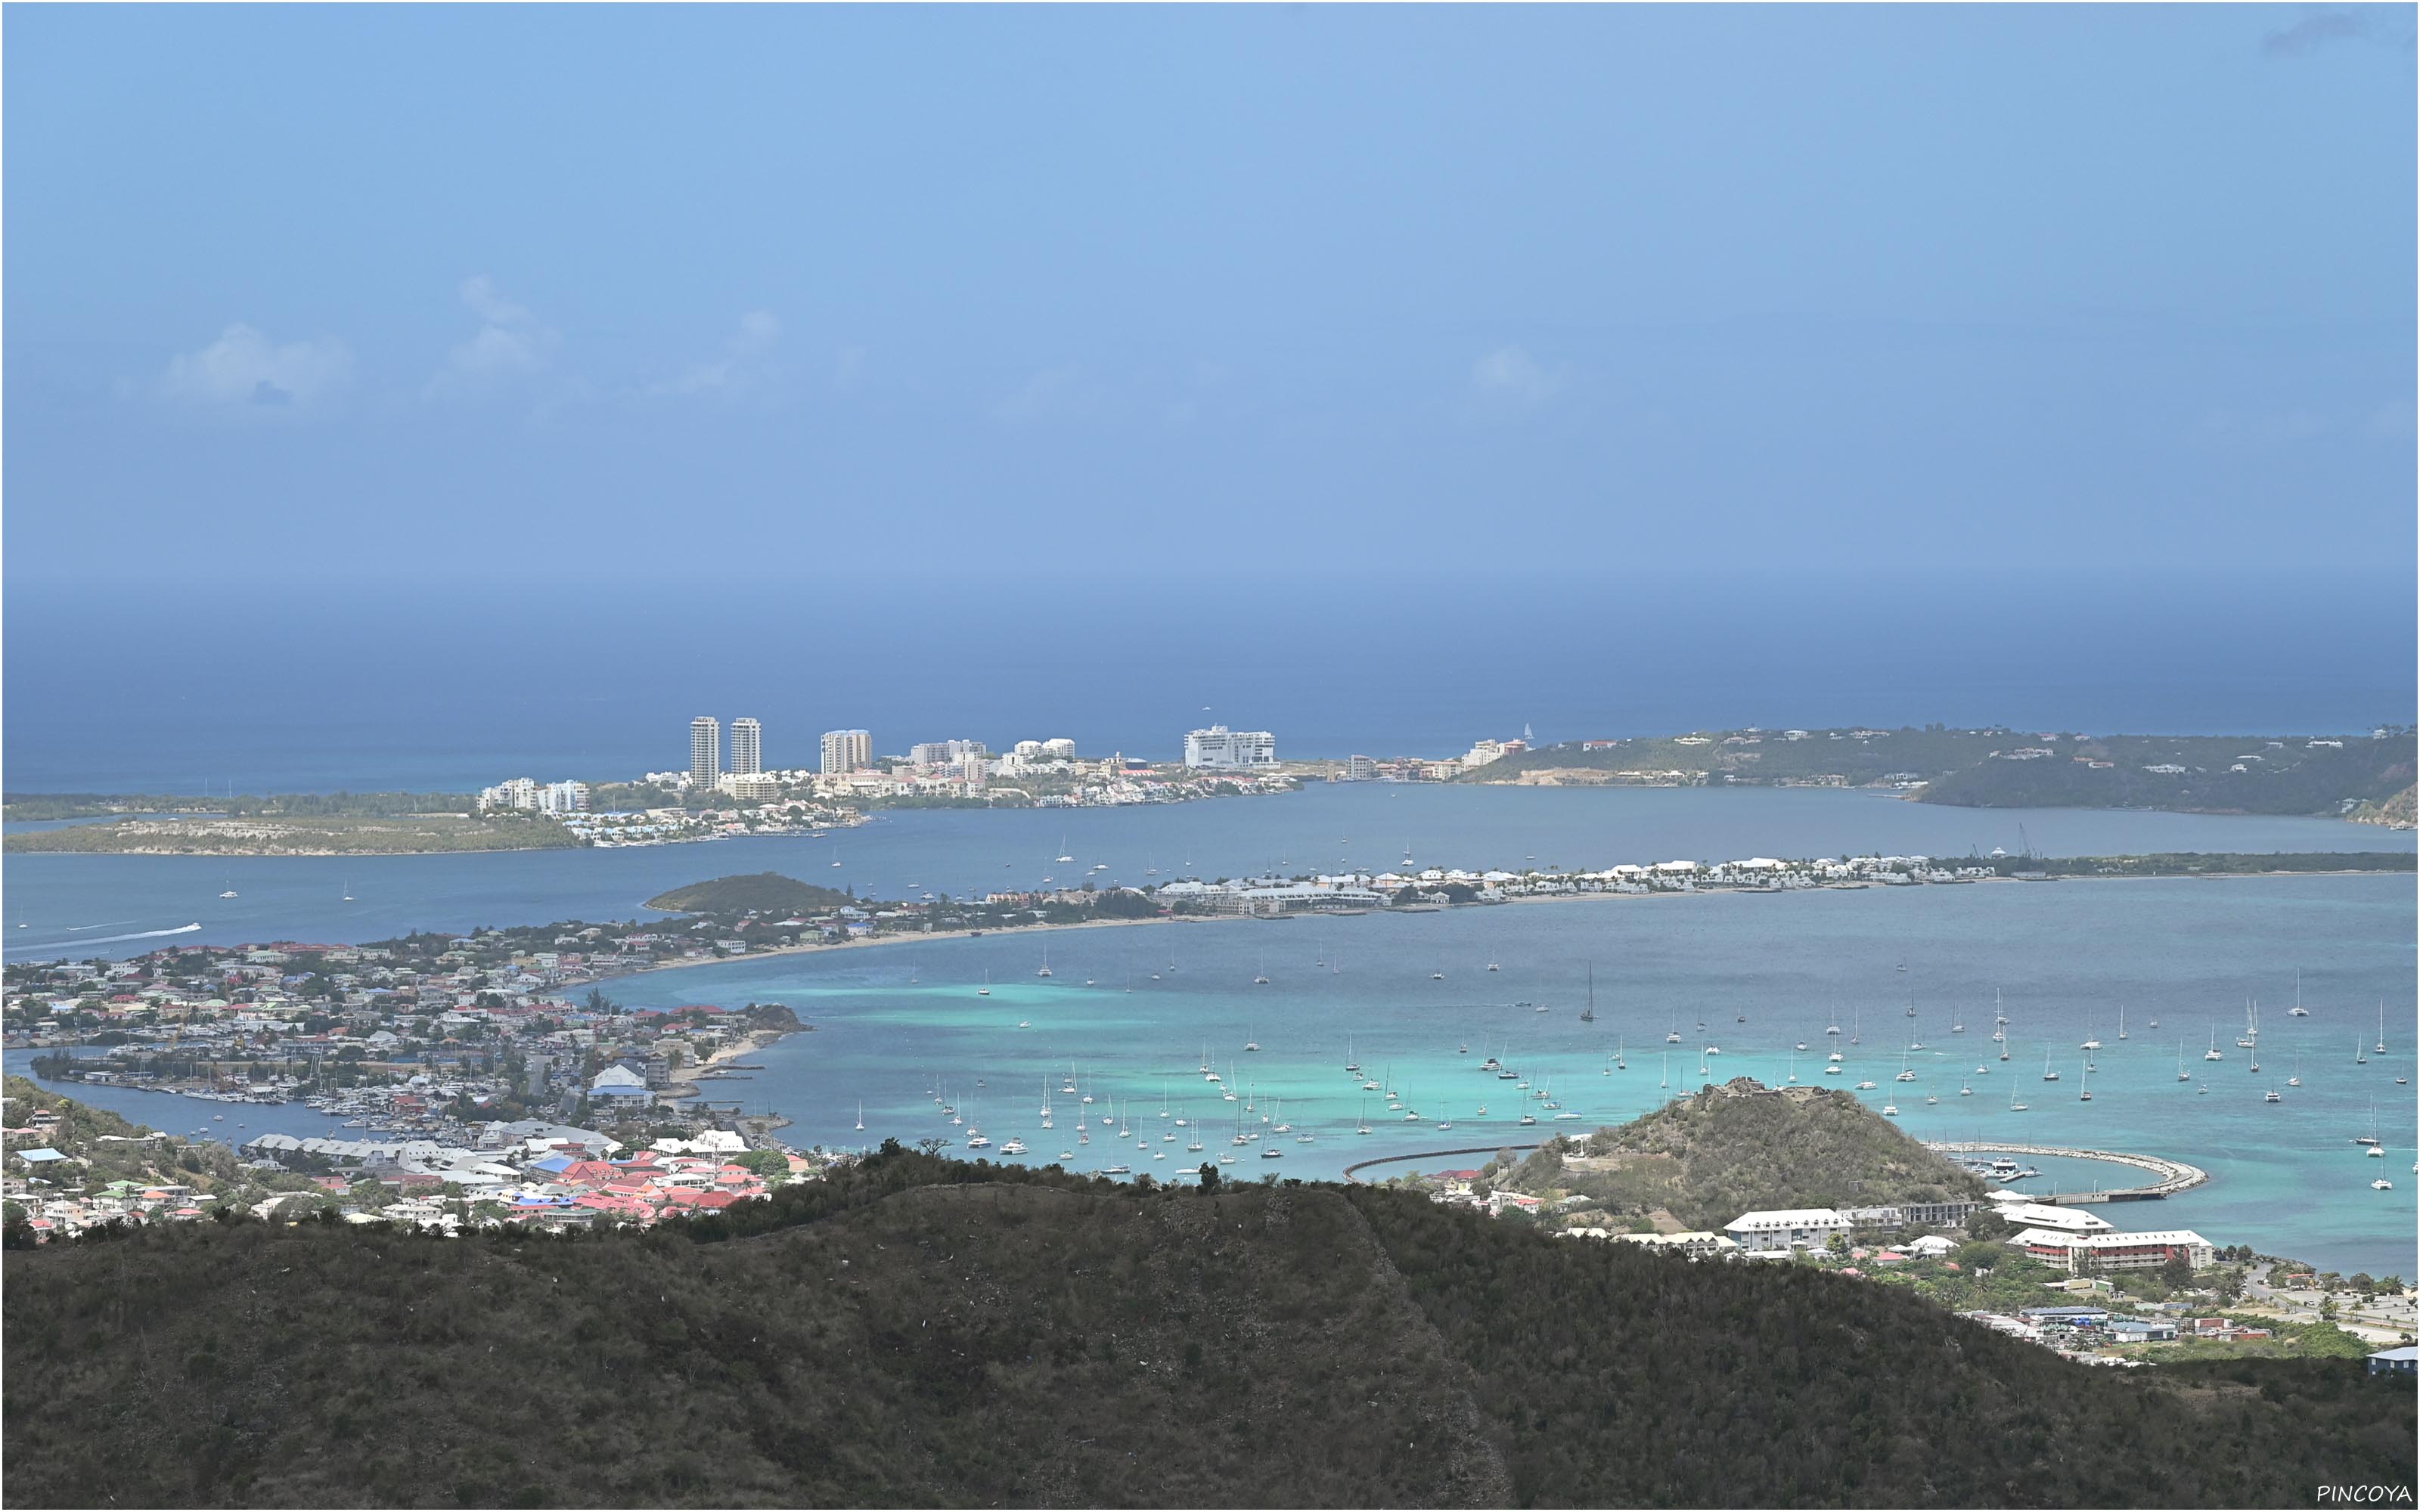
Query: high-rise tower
[704,750]
[747,754]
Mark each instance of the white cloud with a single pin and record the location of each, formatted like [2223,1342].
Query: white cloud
[746,361]
[1052,393]
[245,367]
[1511,373]
[848,369]
[510,343]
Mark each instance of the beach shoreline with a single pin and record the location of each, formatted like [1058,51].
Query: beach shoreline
[1557,898]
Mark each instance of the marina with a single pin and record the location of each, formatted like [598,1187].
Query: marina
[2174,1176]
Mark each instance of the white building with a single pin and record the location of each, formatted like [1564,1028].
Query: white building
[2084,1253]
[2045,1215]
[845,750]
[704,750]
[1221,749]
[1058,749]
[747,746]
[1785,1227]
[518,792]
[942,753]
[563,798]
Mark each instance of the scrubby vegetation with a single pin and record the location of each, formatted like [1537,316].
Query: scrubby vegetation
[916,1331]
[1707,1159]
[1999,768]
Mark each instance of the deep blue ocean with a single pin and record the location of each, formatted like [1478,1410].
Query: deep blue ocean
[303,686]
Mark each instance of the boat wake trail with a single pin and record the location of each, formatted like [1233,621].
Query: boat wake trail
[79,928]
[112,939]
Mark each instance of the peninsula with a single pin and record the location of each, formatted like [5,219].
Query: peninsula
[2369,776]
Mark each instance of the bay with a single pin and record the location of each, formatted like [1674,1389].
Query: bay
[2063,958]
[80,904]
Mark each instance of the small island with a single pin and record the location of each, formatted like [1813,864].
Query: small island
[759,893]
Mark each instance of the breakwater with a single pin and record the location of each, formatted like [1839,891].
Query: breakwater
[1353,1172]
[2173,1176]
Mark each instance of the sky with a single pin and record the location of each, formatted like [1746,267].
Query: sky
[381,299]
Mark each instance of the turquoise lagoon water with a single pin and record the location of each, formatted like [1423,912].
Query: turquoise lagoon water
[2064,957]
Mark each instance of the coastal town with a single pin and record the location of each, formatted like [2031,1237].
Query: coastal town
[739,794]
[2028,1265]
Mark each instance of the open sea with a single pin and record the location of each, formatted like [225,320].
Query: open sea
[452,688]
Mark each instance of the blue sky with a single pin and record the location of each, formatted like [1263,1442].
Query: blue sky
[393,295]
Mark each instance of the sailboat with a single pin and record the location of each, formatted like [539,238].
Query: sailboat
[1363,1123]
[2121,1024]
[2382,1025]
[1966,1088]
[1667,1070]
[1905,1073]
[230,888]
[985,991]
[860,1114]
[2182,1074]
[1793,1068]
[1250,1044]
[2213,1052]
[2360,1057]
[2050,1074]
[2015,1106]
[1855,1027]
[1261,978]
[1491,960]
[1351,1065]
[1046,962]
[2298,1011]
[2296,1079]
[1063,847]
[1620,1062]
[2085,1096]
[348,893]
[1587,1015]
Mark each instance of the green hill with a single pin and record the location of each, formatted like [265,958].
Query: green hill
[1709,1158]
[1999,768]
[759,893]
[919,1332]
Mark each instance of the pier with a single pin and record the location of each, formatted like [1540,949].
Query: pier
[2173,1176]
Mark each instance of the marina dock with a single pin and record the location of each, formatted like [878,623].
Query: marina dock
[2173,1176]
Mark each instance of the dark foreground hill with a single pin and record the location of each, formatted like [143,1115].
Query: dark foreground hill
[923,1333]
